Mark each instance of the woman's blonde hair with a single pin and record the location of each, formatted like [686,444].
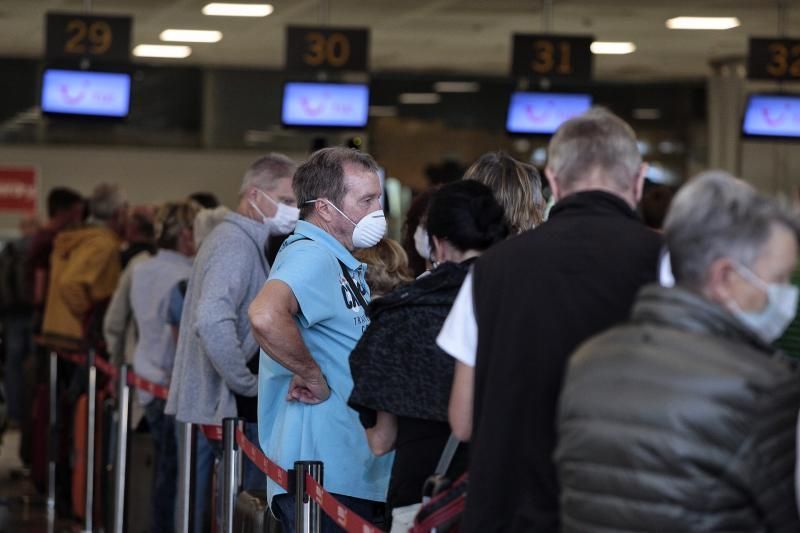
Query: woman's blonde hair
[387,264]
[517,187]
[171,218]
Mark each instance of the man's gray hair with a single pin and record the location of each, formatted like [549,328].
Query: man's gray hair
[105,201]
[595,144]
[322,176]
[266,170]
[717,215]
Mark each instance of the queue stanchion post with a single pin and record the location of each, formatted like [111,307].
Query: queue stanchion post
[90,431]
[308,515]
[120,469]
[186,481]
[52,445]
[230,453]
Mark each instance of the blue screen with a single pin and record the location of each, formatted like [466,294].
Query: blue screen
[325,104]
[78,92]
[772,116]
[543,112]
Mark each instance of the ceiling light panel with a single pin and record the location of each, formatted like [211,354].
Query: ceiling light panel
[162,50]
[191,36]
[612,48]
[703,23]
[219,9]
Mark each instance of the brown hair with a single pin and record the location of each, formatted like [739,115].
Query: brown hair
[387,264]
[517,187]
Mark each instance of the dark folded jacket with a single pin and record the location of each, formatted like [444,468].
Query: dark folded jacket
[397,366]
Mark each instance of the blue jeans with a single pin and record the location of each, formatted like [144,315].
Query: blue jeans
[283,509]
[165,475]
[203,466]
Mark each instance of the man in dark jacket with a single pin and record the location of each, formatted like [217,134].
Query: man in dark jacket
[536,297]
[683,419]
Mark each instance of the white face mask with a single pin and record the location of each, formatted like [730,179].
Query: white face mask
[368,231]
[422,243]
[775,317]
[285,218]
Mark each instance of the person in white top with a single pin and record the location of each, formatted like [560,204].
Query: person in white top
[152,281]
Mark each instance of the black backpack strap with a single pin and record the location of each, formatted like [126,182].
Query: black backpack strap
[356,291]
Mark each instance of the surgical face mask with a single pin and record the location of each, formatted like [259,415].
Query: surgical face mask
[422,243]
[285,218]
[368,231]
[775,317]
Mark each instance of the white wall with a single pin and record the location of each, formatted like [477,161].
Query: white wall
[148,175]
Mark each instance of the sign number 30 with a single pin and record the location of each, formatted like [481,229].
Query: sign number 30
[333,50]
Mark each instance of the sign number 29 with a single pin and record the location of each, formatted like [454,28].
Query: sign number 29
[88,37]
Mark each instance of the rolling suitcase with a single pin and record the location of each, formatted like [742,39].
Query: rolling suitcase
[252,514]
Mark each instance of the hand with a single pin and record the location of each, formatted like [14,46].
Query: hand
[311,391]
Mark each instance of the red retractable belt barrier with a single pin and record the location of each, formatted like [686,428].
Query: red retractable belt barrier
[343,516]
[340,514]
[270,468]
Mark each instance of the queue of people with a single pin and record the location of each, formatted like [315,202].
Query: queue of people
[534,351]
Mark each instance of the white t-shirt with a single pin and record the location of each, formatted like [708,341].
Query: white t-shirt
[459,335]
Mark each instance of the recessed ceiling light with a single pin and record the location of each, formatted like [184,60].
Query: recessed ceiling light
[419,98]
[162,50]
[191,36]
[220,9]
[616,48]
[456,87]
[703,23]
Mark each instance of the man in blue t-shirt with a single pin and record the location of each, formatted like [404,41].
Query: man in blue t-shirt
[308,318]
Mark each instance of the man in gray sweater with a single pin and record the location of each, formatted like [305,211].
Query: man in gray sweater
[216,362]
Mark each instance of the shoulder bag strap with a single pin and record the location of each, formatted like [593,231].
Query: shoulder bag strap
[356,292]
[447,455]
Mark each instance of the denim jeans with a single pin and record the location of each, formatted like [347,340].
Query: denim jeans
[165,474]
[283,509]
[18,334]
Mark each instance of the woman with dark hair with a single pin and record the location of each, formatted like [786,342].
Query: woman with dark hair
[401,378]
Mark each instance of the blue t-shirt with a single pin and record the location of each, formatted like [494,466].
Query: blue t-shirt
[331,322]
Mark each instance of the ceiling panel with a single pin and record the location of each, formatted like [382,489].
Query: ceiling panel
[469,36]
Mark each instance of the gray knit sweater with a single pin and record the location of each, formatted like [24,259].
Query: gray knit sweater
[215,339]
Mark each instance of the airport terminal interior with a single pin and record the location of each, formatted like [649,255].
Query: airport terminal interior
[166,98]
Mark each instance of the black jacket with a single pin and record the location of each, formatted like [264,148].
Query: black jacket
[681,420]
[537,297]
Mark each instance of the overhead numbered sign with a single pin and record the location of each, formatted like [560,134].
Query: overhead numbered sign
[326,48]
[774,59]
[76,36]
[558,57]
